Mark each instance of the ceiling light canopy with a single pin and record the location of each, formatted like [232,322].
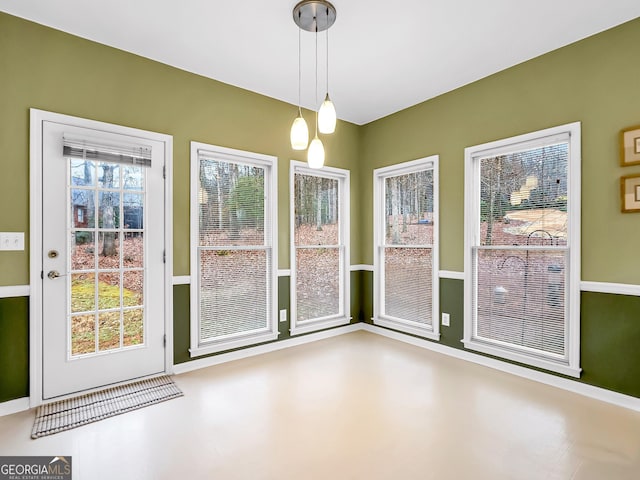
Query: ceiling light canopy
[314,16]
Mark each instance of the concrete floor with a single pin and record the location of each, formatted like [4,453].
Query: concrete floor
[357,406]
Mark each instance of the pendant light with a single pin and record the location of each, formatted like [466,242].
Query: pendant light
[315,155]
[327,113]
[314,16]
[299,130]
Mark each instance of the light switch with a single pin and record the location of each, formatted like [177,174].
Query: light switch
[445,319]
[283,315]
[12,241]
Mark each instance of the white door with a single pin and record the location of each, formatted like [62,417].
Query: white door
[103,246]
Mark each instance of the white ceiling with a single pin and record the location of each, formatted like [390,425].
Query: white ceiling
[384,55]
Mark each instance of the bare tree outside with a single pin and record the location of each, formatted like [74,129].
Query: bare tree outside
[234,260]
[109,248]
[408,219]
[316,240]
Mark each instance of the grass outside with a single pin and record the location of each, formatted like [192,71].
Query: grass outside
[83,325]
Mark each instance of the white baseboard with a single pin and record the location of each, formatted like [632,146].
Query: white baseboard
[14,406]
[597,393]
[259,350]
[574,386]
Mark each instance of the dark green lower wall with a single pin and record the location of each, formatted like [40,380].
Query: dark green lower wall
[181,320]
[610,333]
[609,341]
[14,348]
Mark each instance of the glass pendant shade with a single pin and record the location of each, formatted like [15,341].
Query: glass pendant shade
[299,133]
[327,116]
[315,155]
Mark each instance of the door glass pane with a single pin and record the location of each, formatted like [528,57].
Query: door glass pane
[109,331]
[83,334]
[82,250]
[83,208]
[108,175]
[132,177]
[83,292]
[82,172]
[109,210]
[108,250]
[106,257]
[133,247]
[132,210]
[132,293]
[133,327]
[108,290]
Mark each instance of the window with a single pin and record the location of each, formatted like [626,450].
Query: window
[320,248]
[522,249]
[233,259]
[406,247]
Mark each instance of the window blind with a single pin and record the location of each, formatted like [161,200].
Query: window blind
[89,149]
[318,248]
[407,252]
[521,254]
[234,257]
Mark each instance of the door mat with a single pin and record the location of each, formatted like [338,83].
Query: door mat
[74,412]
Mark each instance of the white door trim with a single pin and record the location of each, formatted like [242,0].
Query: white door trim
[37,117]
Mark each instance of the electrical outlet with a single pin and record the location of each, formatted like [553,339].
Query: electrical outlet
[283,315]
[445,319]
[12,241]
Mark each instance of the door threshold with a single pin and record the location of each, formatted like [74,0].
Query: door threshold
[44,401]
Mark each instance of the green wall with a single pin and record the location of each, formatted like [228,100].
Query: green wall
[593,81]
[14,348]
[40,69]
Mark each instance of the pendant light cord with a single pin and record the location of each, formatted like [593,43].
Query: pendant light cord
[299,68]
[327,50]
[316,21]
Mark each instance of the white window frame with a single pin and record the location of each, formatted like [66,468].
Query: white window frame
[344,225]
[432,331]
[570,363]
[270,165]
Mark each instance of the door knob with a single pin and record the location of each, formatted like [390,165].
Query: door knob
[53,274]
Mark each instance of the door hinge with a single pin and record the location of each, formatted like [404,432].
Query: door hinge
[42,275]
[164,340]
[164,256]
[164,172]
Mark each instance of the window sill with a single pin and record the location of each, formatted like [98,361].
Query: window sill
[231,344]
[552,366]
[319,325]
[425,332]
